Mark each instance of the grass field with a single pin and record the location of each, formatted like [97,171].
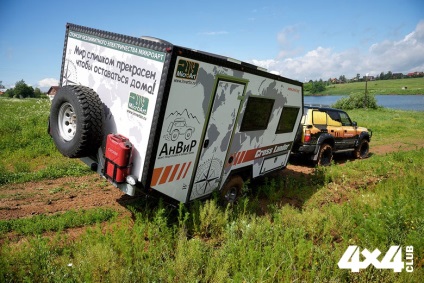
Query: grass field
[27,152]
[400,86]
[372,203]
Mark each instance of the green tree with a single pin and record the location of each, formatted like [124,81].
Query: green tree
[37,93]
[22,90]
[1,85]
[9,93]
[318,86]
[307,87]
[356,101]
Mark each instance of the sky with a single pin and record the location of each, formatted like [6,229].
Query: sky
[301,40]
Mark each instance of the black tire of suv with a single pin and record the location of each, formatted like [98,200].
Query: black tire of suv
[325,155]
[362,150]
[76,121]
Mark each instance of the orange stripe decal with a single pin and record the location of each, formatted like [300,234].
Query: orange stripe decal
[165,175]
[181,171]
[242,158]
[249,155]
[188,166]
[156,175]
[238,158]
[174,172]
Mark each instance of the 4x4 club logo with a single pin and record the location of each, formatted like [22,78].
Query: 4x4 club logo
[187,69]
[355,260]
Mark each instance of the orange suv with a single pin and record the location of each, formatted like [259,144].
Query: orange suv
[325,131]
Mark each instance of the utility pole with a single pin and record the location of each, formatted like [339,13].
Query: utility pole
[366,90]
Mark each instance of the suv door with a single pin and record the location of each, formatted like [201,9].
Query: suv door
[349,130]
[335,129]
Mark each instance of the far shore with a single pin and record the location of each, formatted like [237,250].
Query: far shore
[336,94]
[411,86]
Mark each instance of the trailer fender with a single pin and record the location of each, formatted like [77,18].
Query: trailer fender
[76,121]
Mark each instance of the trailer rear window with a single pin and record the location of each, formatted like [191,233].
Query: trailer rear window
[257,114]
[287,120]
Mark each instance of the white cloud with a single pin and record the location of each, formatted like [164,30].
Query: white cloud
[47,83]
[400,56]
[405,55]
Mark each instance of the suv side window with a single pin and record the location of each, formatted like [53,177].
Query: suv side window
[344,118]
[334,115]
[319,118]
[334,118]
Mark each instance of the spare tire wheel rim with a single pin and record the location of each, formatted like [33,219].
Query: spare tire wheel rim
[67,121]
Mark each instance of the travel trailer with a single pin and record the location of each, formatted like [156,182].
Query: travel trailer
[169,120]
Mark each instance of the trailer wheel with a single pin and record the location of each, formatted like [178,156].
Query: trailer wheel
[325,155]
[76,121]
[231,191]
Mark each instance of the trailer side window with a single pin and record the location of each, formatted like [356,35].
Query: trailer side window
[257,114]
[287,120]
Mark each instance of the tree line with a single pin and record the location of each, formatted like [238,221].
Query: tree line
[22,90]
[320,85]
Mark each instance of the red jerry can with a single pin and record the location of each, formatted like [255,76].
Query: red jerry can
[117,157]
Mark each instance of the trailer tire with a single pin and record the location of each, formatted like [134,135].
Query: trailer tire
[76,121]
[231,191]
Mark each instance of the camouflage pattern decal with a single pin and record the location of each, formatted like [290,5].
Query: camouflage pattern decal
[212,104]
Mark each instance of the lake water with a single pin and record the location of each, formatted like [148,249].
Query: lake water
[402,102]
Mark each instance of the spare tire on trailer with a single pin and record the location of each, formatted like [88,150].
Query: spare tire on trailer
[76,121]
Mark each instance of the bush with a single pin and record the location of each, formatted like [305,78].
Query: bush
[355,101]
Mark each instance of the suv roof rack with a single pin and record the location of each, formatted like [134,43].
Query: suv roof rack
[317,105]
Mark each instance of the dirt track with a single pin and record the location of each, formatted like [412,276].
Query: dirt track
[50,196]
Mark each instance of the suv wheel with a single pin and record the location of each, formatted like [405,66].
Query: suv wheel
[362,150]
[325,155]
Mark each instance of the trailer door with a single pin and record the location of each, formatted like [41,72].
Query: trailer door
[217,136]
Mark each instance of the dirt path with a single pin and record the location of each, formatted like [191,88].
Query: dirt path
[50,196]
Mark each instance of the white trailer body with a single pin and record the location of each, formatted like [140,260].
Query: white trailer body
[194,121]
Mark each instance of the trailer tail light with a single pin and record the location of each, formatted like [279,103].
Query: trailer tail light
[307,136]
[117,158]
